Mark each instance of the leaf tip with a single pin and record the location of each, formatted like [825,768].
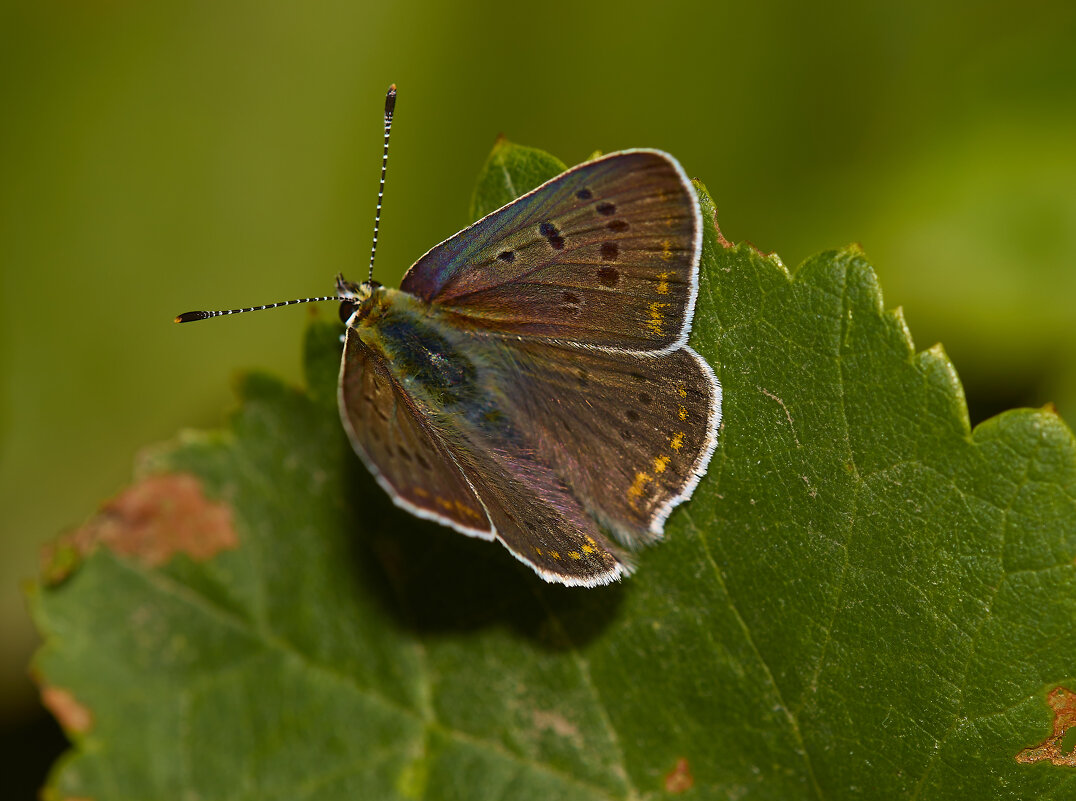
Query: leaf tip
[940,371]
[709,210]
[73,716]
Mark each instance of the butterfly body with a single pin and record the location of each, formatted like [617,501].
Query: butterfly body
[530,381]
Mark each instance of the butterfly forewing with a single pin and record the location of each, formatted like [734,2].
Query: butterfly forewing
[604,254]
[407,458]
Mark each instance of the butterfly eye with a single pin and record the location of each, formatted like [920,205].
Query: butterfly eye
[346,310]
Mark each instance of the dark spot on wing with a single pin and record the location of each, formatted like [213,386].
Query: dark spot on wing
[506,256]
[606,208]
[422,461]
[608,276]
[617,225]
[625,434]
[610,251]
[572,304]
[584,194]
[552,235]
[638,376]
[632,415]
[644,398]
[581,374]
[404,454]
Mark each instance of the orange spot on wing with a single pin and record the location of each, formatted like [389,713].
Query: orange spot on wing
[663,283]
[554,554]
[666,248]
[656,323]
[466,511]
[575,554]
[660,463]
[635,491]
[677,442]
[588,549]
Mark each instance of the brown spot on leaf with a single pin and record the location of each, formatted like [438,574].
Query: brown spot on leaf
[153,520]
[720,236]
[679,779]
[69,713]
[548,720]
[1063,703]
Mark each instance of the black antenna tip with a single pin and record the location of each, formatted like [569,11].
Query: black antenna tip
[190,317]
[390,101]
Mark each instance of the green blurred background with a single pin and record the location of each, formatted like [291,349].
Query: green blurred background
[158,157]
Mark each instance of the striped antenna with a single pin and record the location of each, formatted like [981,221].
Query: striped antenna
[192,316]
[390,107]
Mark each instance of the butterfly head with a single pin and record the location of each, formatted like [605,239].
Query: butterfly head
[354,298]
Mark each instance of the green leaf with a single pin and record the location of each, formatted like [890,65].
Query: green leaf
[864,599]
[510,171]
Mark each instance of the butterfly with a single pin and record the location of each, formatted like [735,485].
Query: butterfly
[530,381]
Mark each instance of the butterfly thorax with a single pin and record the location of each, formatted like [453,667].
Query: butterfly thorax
[438,362]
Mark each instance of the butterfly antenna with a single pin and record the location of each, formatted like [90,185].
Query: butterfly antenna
[390,107]
[191,316]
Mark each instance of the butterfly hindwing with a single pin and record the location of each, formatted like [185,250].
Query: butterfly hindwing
[536,515]
[604,254]
[405,456]
[629,433]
